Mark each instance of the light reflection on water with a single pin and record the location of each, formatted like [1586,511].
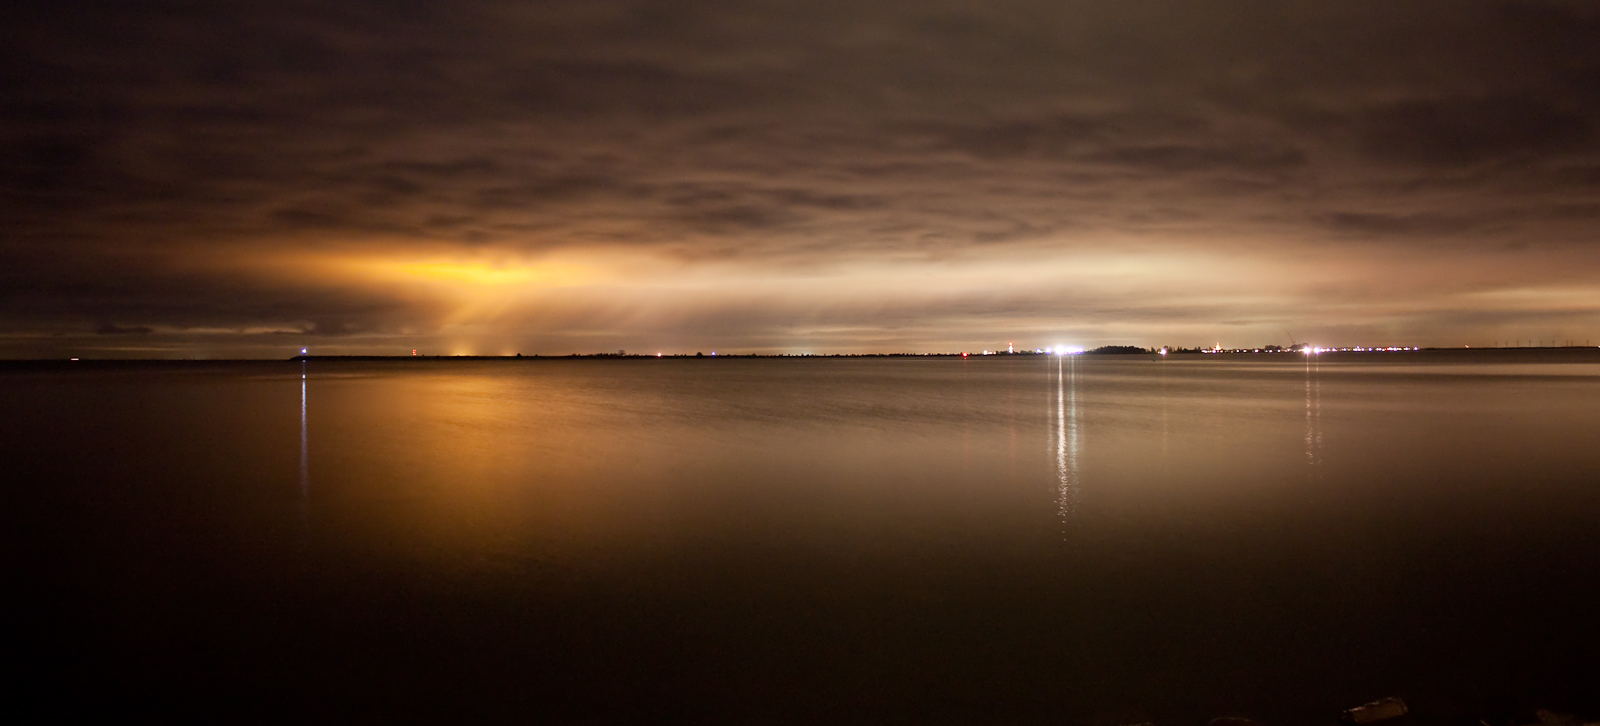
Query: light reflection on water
[1313,412]
[305,451]
[838,540]
[582,453]
[1067,436]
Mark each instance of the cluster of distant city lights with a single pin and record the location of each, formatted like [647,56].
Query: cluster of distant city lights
[1310,350]
[1054,350]
[1307,350]
[1079,350]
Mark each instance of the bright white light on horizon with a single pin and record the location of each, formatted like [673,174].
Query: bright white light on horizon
[1073,349]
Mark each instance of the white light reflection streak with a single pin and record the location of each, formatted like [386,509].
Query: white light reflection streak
[305,461]
[1163,408]
[1313,413]
[1067,438]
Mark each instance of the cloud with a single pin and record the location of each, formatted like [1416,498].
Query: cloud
[1369,224]
[1448,132]
[109,329]
[160,161]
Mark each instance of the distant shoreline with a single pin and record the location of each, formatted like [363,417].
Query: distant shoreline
[1189,354]
[1019,354]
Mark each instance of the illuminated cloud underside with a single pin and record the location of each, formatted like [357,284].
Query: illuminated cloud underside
[486,177]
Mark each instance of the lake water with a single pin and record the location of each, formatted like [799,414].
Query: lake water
[1096,540]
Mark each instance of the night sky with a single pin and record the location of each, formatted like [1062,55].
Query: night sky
[221,179]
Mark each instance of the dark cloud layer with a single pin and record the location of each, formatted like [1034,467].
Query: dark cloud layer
[163,164]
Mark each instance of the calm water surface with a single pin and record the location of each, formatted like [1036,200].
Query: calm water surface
[1098,540]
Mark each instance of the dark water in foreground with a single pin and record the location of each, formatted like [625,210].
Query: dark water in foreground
[1089,540]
